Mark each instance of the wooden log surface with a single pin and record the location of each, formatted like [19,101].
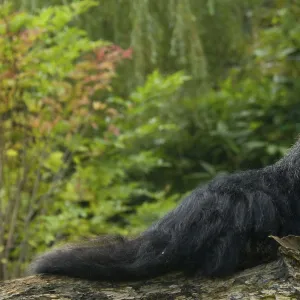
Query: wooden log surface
[276,280]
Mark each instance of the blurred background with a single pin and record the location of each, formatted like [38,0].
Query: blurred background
[111,111]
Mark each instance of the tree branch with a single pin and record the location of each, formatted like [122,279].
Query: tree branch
[269,280]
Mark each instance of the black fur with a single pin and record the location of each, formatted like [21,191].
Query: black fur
[216,230]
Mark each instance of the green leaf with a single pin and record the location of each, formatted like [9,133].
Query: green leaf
[54,161]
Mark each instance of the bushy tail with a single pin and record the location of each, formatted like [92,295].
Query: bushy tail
[109,259]
[187,238]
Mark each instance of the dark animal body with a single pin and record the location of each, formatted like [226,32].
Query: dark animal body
[217,230]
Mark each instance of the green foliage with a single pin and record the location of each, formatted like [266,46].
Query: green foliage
[51,75]
[202,37]
[251,118]
[113,185]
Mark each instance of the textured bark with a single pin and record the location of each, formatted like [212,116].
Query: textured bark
[276,280]
[268,281]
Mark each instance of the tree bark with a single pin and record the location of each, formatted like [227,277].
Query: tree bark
[276,280]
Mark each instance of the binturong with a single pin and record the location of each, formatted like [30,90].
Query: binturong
[218,229]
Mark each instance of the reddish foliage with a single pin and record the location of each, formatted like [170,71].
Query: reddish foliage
[75,101]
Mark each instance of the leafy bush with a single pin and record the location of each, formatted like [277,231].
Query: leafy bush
[52,79]
[250,119]
[69,153]
[112,171]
